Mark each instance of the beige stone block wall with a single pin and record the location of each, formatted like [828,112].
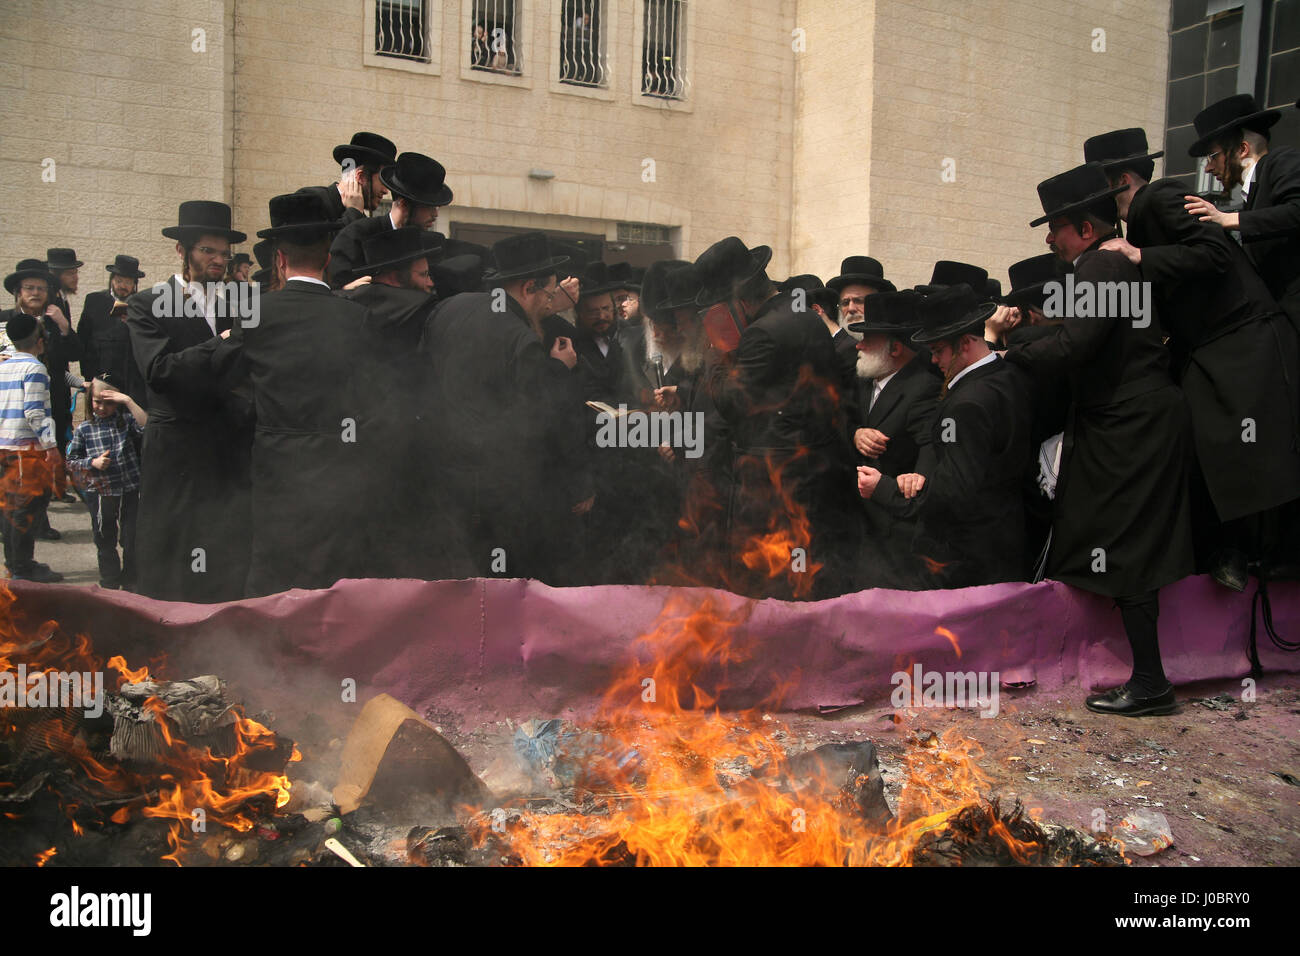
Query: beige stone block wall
[1008,89]
[723,164]
[133,118]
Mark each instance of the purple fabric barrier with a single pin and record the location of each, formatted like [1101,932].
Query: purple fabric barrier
[488,649]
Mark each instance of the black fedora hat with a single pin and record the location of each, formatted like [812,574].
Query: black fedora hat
[299,217]
[681,289]
[390,249]
[456,274]
[594,279]
[1235,112]
[891,313]
[27,269]
[434,244]
[525,256]
[202,217]
[1030,276]
[992,289]
[262,252]
[419,178]
[239,259]
[623,275]
[1118,147]
[654,288]
[128,266]
[948,272]
[56,260]
[1078,189]
[815,291]
[725,265]
[861,270]
[367,149]
[460,247]
[951,312]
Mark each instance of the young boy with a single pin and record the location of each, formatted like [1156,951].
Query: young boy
[104,459]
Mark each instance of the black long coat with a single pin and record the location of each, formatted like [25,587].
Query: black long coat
[193,479]
[971,519]
[506,427]
[106,346]
[1270,226]
[1235,355]
[779,396]
[1122,486]
[312,479]
[904,412]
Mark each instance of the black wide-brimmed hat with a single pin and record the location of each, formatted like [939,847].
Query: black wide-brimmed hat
[128,266]
[1119,147]
[1077,189]
[390,249]
[56,260]
[525,256]
[367,149]
[301,217]
[948,272]
[623,275]
[815,291]
[594,279]
[889,313]
[434,244]
[202,217]
[239,259]
[419,178]
[861,270]
[725,265]
[992,289]
[27,269]
[681,287]
[654,288]
[951,312]
[1029,276]
[457,274]
[262,252]
[1235,112]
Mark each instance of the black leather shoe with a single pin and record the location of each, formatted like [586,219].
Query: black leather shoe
[1231,569]
[49,534]
[1120,700]
[39,574]
[69,498]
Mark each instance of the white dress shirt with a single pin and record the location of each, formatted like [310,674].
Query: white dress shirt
[877,387]
[991,357]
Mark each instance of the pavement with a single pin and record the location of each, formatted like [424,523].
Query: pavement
[74,556]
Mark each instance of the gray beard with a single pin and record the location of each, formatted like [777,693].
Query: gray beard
[873,365]
[691,357]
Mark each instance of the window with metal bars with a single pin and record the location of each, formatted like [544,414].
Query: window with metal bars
[663,60]
[582,43]
[401,29]
[493,47]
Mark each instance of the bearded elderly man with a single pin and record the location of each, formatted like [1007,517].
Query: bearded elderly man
[898,390]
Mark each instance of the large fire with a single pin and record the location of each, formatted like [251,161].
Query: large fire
[194,787]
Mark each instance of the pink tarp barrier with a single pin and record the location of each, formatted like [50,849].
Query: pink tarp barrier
[487,649]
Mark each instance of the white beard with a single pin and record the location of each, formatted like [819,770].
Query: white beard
[875,364]
[690,357]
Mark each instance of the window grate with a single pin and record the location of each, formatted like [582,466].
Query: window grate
[493,46]
[582,44]
[644,232]
[663,60]
[401,29]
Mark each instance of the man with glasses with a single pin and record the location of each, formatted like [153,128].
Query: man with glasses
[192,527]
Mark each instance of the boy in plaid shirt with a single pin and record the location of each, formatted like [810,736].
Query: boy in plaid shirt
[105,462]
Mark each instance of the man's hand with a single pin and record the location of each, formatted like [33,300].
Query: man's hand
[563,350]
[100,463]
[868,479]
[666,452]
[569,288]
[871,442]
[582,507]
[1125,248]
[668,398]
[350,189]
[61,320]
[911,484]
[358,283]
[1001,322]
[1206,211]
[225,334]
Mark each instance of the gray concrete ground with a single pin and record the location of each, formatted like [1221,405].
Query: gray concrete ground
[74,556]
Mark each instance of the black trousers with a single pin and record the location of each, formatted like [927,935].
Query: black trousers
[112,522]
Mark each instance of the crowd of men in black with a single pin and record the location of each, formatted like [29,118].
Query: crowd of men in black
[404,405]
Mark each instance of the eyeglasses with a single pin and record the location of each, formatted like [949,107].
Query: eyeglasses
[1217,152]
[215,253]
